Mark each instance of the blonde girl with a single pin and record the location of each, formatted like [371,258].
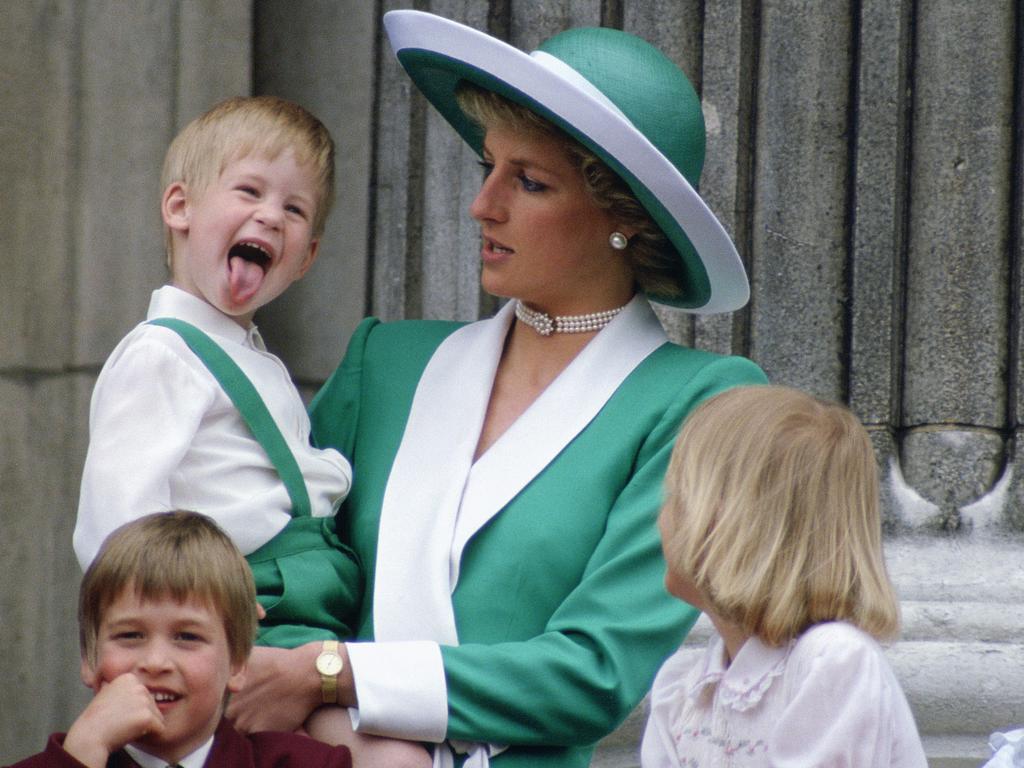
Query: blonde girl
[771,526]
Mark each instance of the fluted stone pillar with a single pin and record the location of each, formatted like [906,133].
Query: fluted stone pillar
[90,95]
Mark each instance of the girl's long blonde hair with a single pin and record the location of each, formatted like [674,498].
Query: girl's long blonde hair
[772,512]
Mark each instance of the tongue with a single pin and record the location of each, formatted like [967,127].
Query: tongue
[244,279]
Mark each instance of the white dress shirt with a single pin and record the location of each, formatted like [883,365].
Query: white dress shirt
[163,435]
[196,759]
[827,699]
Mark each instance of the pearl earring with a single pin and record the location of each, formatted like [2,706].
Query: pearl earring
[618,241]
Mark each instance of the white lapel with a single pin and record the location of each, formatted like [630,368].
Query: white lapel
[412,593]
[436,498]
[554,419]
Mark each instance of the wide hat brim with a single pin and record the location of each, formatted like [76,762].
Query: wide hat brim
[439,53]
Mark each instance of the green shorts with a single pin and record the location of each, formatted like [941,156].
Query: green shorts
[308,582]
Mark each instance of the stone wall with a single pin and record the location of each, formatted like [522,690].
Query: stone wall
[866,156]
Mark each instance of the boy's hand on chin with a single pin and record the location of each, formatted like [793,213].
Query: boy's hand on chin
[122,711]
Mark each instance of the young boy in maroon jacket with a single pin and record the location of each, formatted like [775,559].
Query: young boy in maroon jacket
[167,616]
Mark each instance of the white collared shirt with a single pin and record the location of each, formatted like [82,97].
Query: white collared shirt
[828,698]
[193,760]
[164,435]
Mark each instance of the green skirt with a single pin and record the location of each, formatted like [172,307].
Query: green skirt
[308,582]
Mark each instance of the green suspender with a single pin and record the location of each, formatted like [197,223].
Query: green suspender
[249,403]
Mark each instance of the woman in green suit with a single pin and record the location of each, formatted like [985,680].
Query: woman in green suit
[508,472]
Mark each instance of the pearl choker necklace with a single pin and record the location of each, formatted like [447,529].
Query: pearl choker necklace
[545,324]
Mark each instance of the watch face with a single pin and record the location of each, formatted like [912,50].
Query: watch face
[329,664]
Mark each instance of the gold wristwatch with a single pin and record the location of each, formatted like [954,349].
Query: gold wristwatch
[329,664]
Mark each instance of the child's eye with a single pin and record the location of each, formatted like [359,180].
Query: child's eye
[248,190]
[127,635]
[189,637]
[486,166]
[296,210]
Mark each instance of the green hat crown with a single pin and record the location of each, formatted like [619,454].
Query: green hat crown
[646,86]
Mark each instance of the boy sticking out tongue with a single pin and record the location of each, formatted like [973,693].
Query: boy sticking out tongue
[243,237]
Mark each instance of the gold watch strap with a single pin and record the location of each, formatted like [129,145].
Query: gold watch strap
[328,682]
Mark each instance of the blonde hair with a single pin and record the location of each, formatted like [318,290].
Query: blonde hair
[180,555]
[242,126]
[771,511]
[655,263]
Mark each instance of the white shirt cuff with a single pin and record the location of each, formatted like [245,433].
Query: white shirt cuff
[401,690]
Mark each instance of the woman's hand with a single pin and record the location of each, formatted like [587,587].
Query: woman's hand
[282,688]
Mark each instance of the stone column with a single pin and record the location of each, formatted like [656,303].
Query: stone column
[91,93]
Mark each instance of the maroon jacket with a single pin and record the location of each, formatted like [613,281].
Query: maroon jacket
[231,749]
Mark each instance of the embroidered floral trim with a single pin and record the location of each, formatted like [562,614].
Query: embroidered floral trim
[743,684]
[729,747]
[745,693]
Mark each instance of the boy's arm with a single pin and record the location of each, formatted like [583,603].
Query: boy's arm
[146,408]
[122,711]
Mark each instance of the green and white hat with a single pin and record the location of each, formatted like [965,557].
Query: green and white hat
[617,95]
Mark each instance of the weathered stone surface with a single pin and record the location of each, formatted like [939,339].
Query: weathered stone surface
[1012,518]
[799,217]
[960,656]
[214,54]
[452,178]
[319,54]
[727,99]
[127,118]
[884,442]
[950,468]
[533,21]
[879,199]
[957,319]
[40,462]
[37,168]
[398,182]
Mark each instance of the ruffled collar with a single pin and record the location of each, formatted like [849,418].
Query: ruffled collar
[742,684]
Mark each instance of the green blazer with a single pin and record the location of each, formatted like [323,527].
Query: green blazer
[560,604]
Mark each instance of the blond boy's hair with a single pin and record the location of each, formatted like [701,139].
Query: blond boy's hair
[771,511]
[242,126]
[177,555]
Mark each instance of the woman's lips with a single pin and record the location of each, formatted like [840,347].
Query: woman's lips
[494,251]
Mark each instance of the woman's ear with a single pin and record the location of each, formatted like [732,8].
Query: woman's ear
[175,208]
[625,229]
